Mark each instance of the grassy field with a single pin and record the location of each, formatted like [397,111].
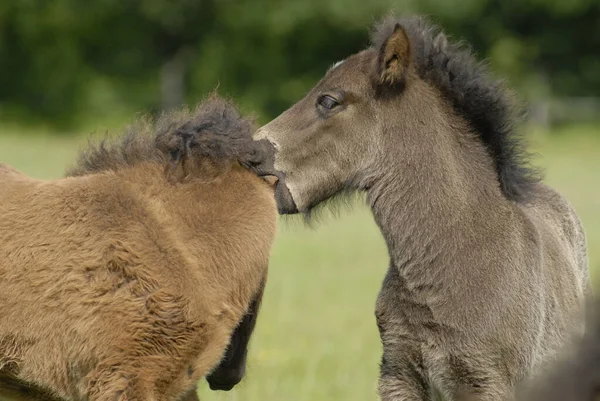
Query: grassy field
[316,338]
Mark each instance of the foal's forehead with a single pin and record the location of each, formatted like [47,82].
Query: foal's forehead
[350,72]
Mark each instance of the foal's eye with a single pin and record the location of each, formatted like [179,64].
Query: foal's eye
[328,102]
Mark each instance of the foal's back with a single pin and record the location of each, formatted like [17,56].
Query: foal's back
[124,277]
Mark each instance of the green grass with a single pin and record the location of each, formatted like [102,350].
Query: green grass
[316,338]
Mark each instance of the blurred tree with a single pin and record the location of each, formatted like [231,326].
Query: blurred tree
[541,45]
[146,40]
[52,52]
[40,58]
[63,60]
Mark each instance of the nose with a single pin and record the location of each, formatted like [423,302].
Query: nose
[227,378]
[214,386]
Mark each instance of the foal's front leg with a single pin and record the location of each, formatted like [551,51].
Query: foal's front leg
[402,377]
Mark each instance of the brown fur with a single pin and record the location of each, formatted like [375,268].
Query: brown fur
[488,268]
[126,280]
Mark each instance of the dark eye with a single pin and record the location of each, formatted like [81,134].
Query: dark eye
[328,102]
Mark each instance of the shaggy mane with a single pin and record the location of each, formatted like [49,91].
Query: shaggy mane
[214,129]
[481,100]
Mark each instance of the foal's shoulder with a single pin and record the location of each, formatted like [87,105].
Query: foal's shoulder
[245,191]
[248,186]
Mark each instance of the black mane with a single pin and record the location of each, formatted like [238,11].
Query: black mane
[481,100]
[215,130]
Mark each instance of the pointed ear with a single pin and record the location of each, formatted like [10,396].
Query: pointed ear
[394,57]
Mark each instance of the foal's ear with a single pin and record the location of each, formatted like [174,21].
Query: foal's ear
[394,57]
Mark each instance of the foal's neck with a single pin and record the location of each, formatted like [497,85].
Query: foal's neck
[432,208]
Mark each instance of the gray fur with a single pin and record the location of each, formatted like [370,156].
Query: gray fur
[488,269]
